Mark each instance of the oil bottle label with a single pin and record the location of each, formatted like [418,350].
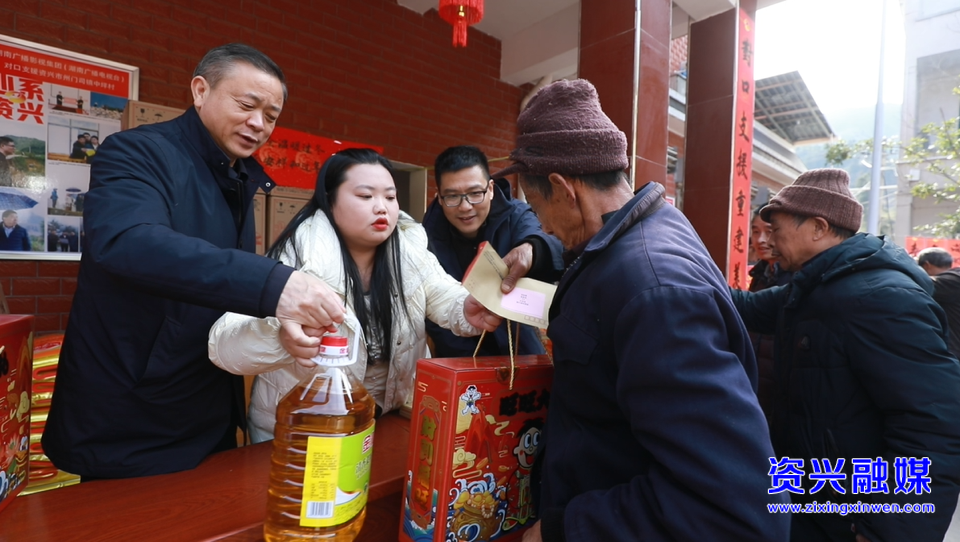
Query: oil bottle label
[336,479]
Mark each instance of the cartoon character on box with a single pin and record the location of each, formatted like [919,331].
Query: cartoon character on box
[480,507]
[519,490]
[479,488]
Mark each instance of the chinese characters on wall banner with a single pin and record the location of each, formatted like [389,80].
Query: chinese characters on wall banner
[293,158]
[742,156]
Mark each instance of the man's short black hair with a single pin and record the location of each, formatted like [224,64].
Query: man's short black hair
[218,61]
[936,257]
[4,140]
[599,181]
[461,157]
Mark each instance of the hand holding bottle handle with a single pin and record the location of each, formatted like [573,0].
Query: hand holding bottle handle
[333,355]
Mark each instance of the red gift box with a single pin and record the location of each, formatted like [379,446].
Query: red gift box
[472,441]
[16,359]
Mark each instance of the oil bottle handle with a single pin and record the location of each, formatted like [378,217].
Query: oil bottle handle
[356,345]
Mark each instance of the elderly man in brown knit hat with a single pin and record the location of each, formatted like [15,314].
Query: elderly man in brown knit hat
[867,398]
[654,431]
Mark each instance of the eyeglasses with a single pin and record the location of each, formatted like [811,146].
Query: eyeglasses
[473,198]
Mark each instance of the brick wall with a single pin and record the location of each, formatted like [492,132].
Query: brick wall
[44,289]
[369,71]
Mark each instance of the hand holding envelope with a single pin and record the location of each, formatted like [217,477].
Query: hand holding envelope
[529,301]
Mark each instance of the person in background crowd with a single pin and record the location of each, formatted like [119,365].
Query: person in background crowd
[938,263]
[472,208]
[862,371]
[353,236]
[169,248]
[12,235]
[654,431]
[764,274]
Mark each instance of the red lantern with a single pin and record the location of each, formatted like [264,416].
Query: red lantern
[461,14]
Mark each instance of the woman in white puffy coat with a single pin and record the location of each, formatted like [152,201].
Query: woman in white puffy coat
[357,254]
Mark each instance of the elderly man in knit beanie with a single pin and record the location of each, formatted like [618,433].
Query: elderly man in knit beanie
[868,396]
[654,431]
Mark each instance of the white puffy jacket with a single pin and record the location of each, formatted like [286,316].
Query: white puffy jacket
[250,346]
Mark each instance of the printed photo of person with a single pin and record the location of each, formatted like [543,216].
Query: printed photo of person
[68,100]
[66,189]
[20,229]
[12,235]
[22,152]
[64,234]
[76,140]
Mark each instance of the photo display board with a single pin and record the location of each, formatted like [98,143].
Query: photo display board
[56,107]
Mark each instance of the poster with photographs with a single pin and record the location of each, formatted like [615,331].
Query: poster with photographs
[56,107]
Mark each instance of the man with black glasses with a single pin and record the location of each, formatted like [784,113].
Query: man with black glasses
[472,208]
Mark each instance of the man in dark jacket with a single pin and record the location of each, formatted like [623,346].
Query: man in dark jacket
[471,208]
[654,430]
[12,235]
[866,389]
[766,273]
[938,263]
[169,248]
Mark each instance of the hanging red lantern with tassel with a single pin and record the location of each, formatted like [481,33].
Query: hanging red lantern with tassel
[461,14]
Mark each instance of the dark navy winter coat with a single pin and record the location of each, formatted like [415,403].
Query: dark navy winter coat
[654,431]
[862,371]
[17,240]
[510,222]
[165,256]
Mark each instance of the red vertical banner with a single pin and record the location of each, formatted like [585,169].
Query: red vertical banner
[742,155]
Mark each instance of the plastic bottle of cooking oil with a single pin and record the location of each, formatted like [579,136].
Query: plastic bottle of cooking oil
[322,449]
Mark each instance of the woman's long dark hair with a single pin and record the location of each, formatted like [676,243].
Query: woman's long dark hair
[386,284]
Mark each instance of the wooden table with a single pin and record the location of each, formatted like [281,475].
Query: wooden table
[224,498]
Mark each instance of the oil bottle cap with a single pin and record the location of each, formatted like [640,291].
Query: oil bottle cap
[334,346]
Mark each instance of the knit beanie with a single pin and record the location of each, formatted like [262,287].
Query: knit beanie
[563,130]
[819,192]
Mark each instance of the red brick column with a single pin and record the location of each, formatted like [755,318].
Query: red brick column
[607,43]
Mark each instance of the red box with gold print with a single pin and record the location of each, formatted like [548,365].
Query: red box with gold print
[16,358]
[472,441]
